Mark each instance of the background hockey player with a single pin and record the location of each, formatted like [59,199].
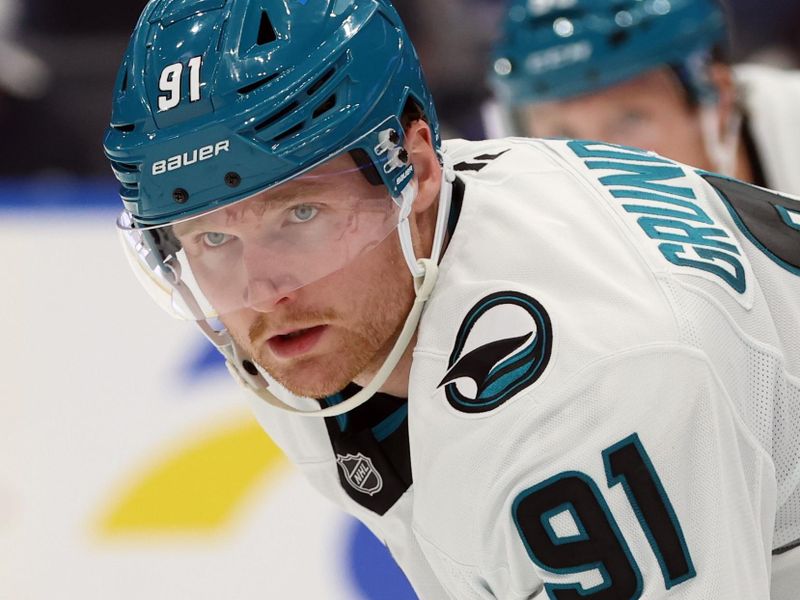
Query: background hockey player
[651,74]
[600,398]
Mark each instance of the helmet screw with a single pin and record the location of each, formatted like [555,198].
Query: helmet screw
[250,367]
[180,195]
[233,179]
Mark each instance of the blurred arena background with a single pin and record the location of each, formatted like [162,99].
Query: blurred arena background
[129,465]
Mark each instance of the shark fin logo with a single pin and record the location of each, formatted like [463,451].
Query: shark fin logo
[502,347]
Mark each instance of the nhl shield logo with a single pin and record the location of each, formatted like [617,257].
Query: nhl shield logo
[360,473]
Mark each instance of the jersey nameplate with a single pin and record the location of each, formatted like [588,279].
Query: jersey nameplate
[657,192]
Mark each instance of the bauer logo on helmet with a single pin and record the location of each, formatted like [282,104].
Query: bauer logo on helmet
[189,158]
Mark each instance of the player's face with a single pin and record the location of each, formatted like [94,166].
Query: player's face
[650,111]
[316,337]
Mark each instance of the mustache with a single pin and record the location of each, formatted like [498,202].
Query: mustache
[295,320]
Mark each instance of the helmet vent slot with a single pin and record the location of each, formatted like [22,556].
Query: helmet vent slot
[281,113]
[257,84]
[125,167]
[325,106]
[288,132]
[126,128]
[124,85]
[321,81]
[266,32]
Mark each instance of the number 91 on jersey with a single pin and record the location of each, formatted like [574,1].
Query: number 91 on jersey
[567,527]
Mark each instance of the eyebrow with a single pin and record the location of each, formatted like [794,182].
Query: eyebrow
[279,200]
[297,187]
[186,228]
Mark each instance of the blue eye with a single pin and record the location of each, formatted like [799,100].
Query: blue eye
[632,118]
[303,213]
[214,239]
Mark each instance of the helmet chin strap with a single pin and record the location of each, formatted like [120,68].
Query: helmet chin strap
[425,272]
[721,146]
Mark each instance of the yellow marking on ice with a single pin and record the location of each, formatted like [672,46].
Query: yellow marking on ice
[200,487]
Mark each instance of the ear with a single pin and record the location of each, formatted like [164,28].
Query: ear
[722,78]
[419,145]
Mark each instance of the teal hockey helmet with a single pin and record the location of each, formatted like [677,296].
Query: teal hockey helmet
[287,115]
[555,49]
[217,100]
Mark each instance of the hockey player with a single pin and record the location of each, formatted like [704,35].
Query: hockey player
[645,73]
[601,396]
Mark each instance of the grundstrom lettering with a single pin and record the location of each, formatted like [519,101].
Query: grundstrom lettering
[189,158]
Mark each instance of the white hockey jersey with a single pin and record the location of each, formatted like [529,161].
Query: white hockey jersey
[604,400]
[770,99]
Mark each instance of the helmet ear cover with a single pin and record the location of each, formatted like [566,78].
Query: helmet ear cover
[411,112]
[695,77]
[695,80]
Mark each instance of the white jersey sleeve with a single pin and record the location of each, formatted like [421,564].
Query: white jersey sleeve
[605,397]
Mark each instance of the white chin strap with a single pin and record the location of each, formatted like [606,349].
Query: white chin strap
[721,146]
[424,270]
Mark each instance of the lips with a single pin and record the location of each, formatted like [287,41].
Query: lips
[295,343]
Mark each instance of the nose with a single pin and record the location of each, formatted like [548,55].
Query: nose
[270,284]
[265,295]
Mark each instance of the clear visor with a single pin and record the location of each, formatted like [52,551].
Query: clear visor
[250,254]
